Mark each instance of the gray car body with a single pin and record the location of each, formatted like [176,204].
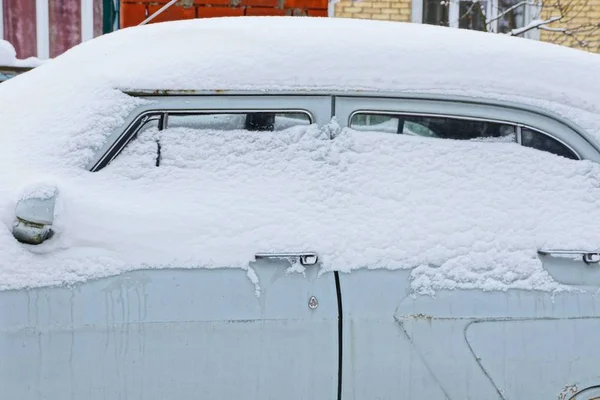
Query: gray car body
[199,333]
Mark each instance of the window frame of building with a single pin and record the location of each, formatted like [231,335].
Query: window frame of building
[531,11]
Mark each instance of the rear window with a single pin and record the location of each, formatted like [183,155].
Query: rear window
[436,127]
[443,127]
[539,141]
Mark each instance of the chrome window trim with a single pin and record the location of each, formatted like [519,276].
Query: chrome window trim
[352,93]
[552,137]
[163,121]
[162,116]
[112,150]
[518,126]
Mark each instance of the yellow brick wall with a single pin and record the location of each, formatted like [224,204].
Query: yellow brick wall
[581,19]
[577,13]
[391,10]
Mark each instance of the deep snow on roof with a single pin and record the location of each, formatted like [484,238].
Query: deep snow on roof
[343,54]
[126,217]
[280,53]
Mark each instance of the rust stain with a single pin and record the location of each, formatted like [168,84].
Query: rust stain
[567,392]
[423,317]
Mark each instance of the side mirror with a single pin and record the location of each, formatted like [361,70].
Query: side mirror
[34,218]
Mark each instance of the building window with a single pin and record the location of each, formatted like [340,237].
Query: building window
[472,15]
[500,16]
[510,17]
[435,12]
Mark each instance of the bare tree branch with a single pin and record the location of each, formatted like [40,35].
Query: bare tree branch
[572,33]
[549,29]
[533,25]
[469,10]
[565,21]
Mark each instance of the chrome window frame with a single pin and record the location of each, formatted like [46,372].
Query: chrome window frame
[521,126]
[518,126]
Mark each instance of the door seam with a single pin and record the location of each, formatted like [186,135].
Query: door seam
[338,290]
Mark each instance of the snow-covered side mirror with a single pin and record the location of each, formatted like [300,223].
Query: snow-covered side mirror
[34,218]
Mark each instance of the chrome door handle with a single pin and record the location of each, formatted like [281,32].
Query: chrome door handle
[304,258]
[588,256]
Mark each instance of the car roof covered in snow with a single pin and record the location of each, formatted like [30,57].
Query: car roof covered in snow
[286,53]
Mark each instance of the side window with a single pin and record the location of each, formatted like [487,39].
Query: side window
[459,129]
[222,122]
[172,138]
[540,141]
[437,127]
[255,121]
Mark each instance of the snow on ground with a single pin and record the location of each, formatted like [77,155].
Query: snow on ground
[465,214]
[8,57]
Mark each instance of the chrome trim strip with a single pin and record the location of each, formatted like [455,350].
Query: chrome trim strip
[305,258]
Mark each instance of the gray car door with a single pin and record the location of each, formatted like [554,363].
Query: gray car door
[469,344]
[173,334]
[466,344]
[179,333]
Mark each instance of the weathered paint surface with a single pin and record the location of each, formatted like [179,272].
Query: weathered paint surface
[467,344]
[173,334]
[97,18]
[65,25]
[20,26]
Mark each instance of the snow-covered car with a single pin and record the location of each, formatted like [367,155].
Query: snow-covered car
[269,208]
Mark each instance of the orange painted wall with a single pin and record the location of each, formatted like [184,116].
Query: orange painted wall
[135,11]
